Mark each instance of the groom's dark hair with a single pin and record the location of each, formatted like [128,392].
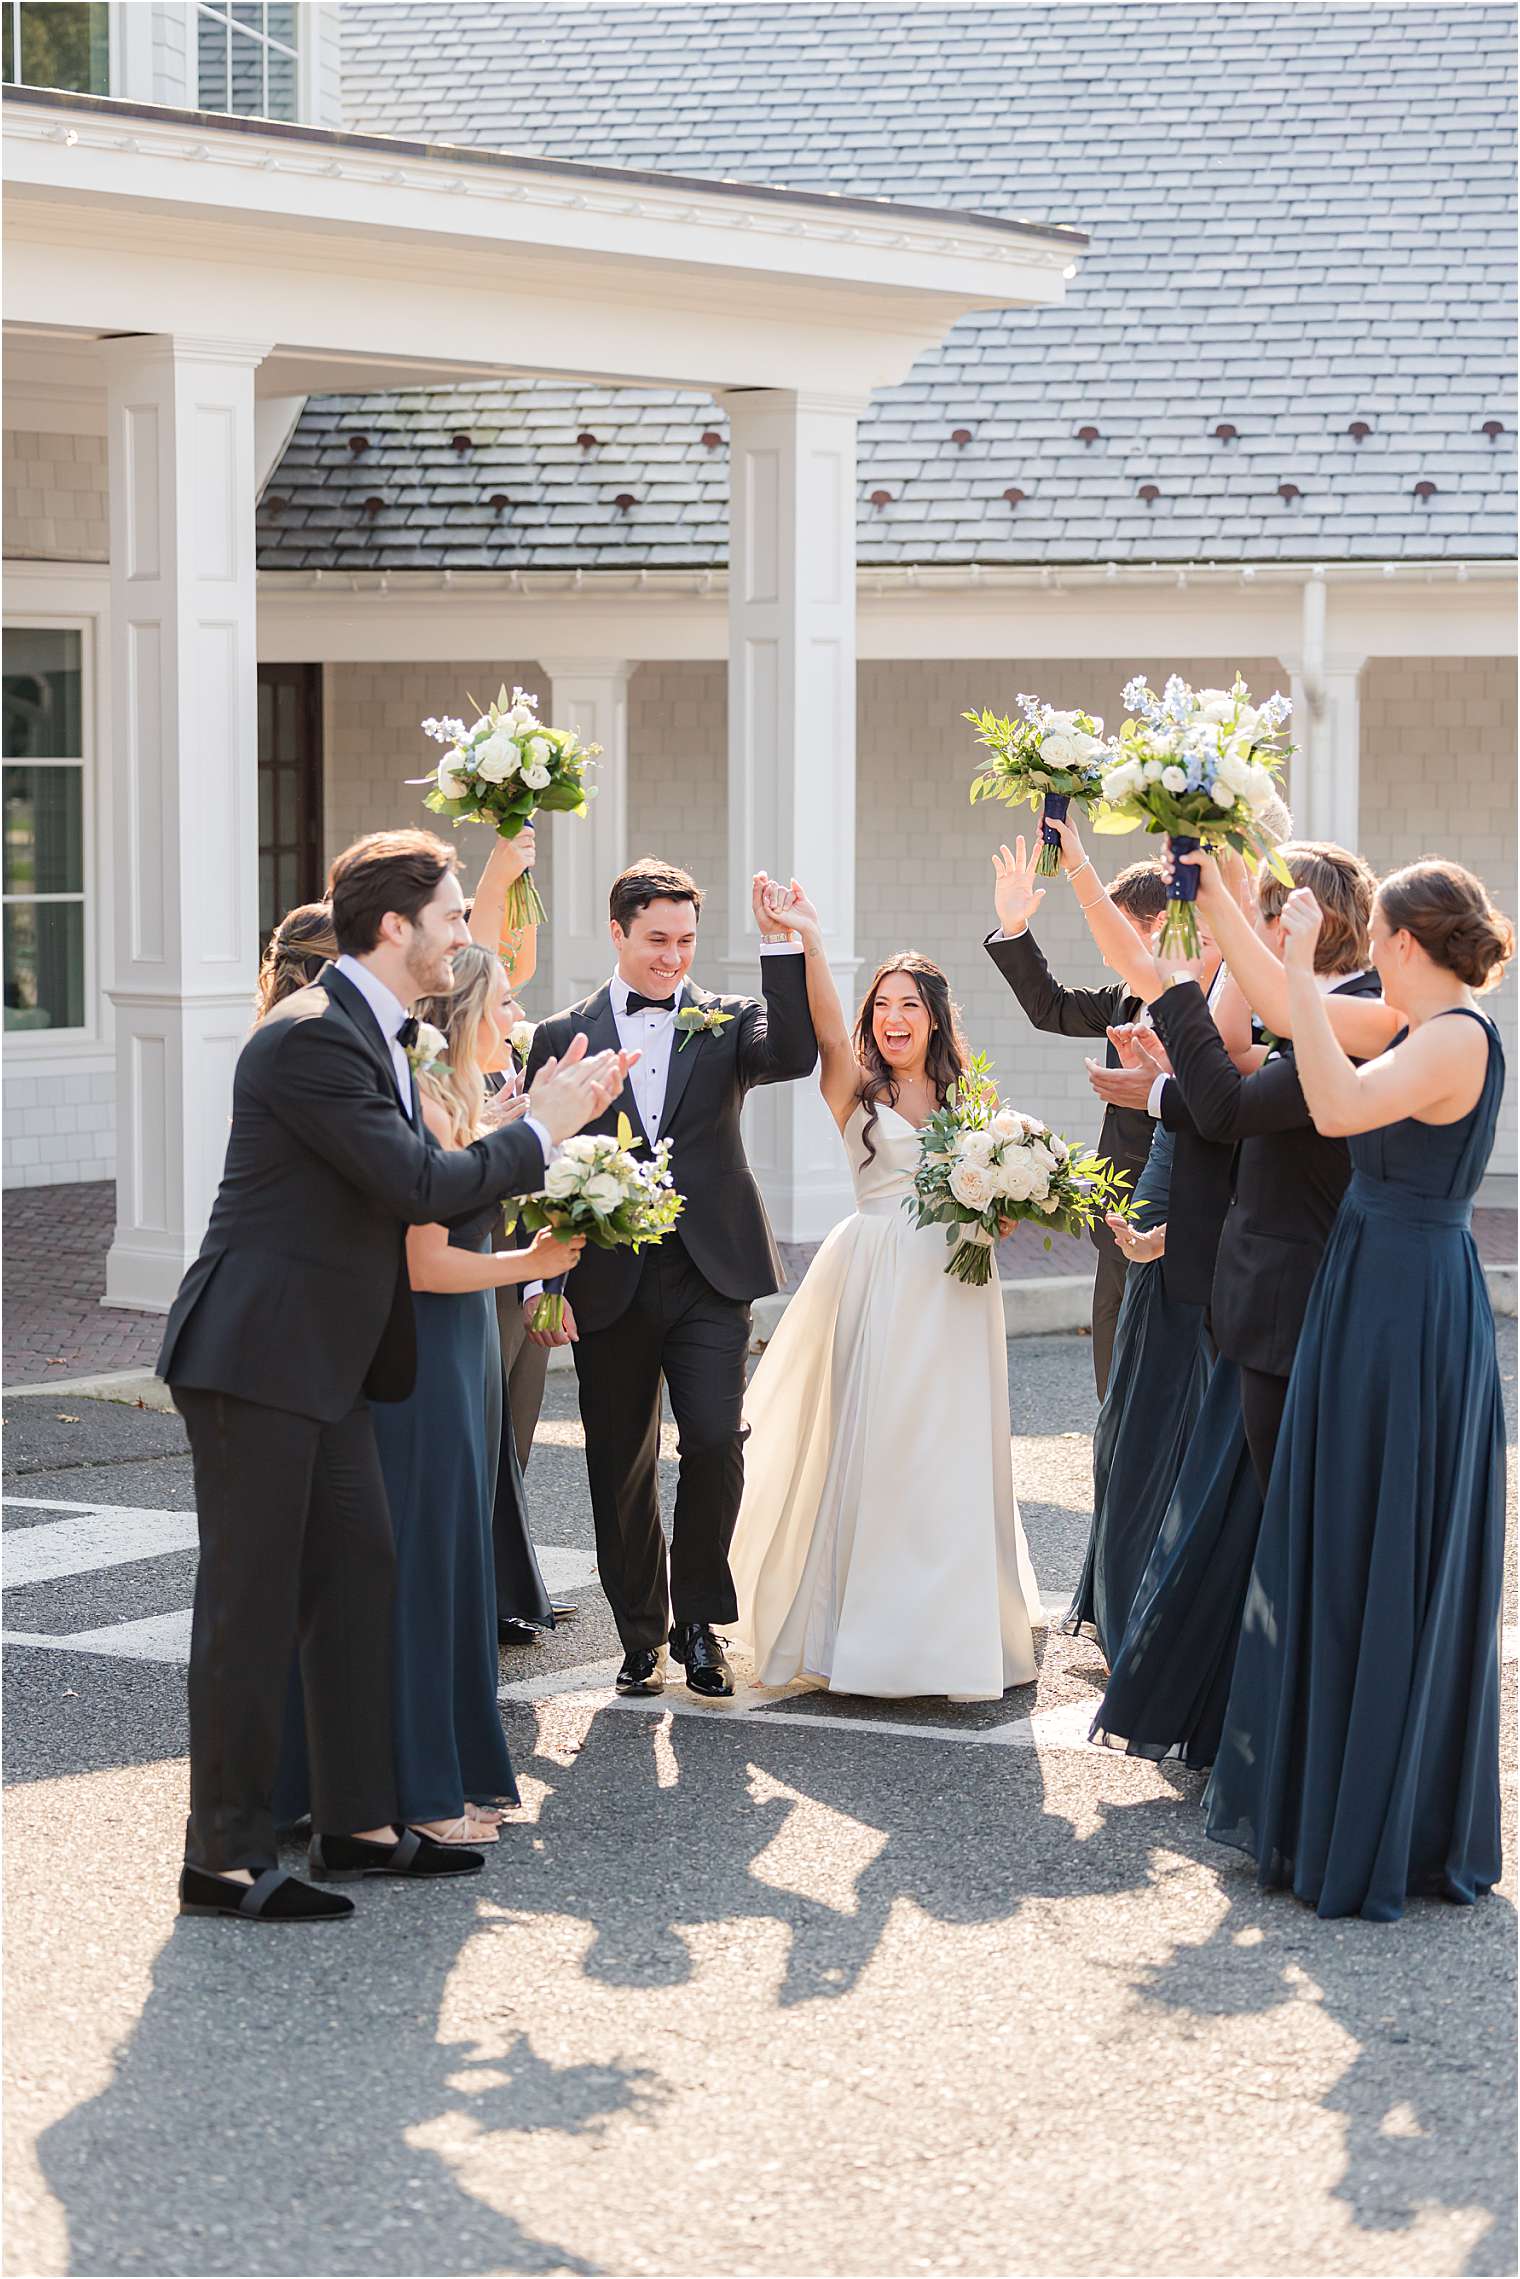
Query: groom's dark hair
[649,880]
[390,870]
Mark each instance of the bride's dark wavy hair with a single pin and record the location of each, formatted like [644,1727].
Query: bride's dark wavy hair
[945,1061]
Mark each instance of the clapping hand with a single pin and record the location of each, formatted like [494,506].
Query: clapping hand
[570,1093]
[1016,891]
[1302,919]
[1128,1085]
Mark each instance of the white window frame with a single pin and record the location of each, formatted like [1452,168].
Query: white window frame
[221,12]
[76,606]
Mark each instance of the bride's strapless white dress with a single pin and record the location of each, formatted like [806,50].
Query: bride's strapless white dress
[879,1544]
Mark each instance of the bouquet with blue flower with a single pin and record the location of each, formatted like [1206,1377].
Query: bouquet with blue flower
[1048,759]
[1199,765]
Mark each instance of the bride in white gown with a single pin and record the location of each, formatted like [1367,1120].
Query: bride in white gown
[879,1546]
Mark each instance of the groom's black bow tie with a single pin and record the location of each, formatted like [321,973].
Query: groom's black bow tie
[638,1004]
[406,1035]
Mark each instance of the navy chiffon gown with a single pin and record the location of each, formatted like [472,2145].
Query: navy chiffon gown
[438,1453]
[1156,1385]
[1359,1762]
[1170,1679]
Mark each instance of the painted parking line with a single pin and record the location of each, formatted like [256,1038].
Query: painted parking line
[155,1638]
[91,1538]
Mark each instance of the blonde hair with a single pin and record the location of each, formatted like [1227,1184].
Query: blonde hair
[459,1086]
[298,949]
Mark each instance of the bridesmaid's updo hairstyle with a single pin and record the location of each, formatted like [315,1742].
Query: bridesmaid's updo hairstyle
[299,947]
[459,1085]
[1447,911]
[948,1051]
[1344,888]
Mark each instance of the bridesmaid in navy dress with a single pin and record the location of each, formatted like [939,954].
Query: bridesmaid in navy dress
[1359,1762]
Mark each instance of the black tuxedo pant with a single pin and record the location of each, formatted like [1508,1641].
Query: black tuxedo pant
[679,1328]
[295,1550]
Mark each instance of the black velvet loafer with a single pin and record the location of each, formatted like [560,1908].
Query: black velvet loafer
[273,1897]
[344,1859]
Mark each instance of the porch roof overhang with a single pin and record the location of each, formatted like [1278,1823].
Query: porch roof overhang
[368,262]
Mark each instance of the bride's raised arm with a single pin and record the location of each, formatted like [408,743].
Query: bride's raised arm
[838,1068]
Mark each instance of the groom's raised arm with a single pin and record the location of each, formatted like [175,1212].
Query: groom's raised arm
[776,1044]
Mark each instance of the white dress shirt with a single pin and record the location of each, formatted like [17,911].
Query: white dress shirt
[654,1036]
[389,1012]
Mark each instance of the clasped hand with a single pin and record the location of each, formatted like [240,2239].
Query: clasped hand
[1142,1058]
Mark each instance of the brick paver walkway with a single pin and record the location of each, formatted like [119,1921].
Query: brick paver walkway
[56,1239]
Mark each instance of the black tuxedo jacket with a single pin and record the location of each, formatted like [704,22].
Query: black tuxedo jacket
[1266,1231]
[1126,1134]
[723,1228]
[299,1299]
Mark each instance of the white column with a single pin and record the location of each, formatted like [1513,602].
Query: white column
[183,693]
[588,850]
[1325,793]
[791,740]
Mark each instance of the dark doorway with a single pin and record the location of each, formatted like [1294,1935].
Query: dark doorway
[290,790]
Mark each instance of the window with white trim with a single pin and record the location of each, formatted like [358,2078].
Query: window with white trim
[248,58]
[57,43]
[42,829]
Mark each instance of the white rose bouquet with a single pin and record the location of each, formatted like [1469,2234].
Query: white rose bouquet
[594,1188]
[1199,765]
[501,772]
[1048,758]
[980,1164]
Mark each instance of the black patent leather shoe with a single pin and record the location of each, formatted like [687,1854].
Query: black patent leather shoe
[344,1859]
[273,1897]
[643,1671]
[510,1633]
[700,1648]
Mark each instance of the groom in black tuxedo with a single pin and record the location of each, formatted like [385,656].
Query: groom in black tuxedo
[296,1310]
[680,1309]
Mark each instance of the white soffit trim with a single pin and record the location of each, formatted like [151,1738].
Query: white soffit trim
[111,207]
[1446,609]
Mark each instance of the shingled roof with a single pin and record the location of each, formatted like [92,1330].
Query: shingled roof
[1297,307]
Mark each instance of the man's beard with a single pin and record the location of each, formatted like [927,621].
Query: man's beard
[430,970]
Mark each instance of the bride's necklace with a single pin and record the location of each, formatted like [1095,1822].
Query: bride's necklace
[915,1094]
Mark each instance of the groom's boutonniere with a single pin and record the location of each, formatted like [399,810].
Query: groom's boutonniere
[522,1041]
[426,1050]
[700,1021]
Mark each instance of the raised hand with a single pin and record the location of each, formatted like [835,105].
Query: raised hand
[1073,853]
[553,1254]
[760,886]
[1302,919]
[1016,890]
[789,907]
[519,854]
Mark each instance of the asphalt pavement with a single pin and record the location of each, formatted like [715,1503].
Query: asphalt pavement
[797,1985]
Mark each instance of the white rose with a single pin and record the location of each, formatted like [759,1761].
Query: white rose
[1232,770]
[496,758]
[431,1043]
[1258,789]
[1060,748]
[522,1038]
[1050,1203]
[1015,1177]
[603,1191]
[1215,704]
[1248,723]
[1223,797]
[1061,722]
[563,1179]
[536,778]
[1040,1152]
[520,719]
[539,751]
[1155,770]
[1174,779]
[452,785]
[1123,781]
[972,1185]
[1007,1124]
[975,1146]
[1058,1148]
[581,1149]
